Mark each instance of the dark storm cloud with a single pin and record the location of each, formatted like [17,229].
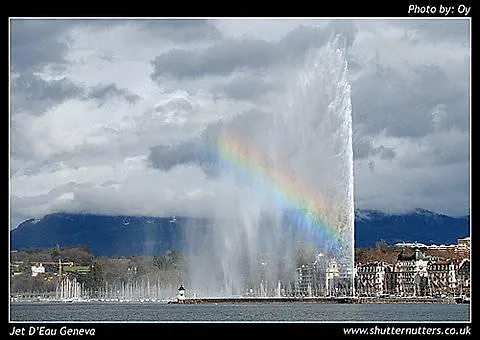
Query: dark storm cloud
[198,151]
[183,29]
[414,100]
[299,40]
[229,55]
[203,151]
[439,150]
[36,95]
[165,157]
[392,100]
[32,93]
[36,43]
[302,38]
[221,58]
[384,152]
[102,93]
[363,148]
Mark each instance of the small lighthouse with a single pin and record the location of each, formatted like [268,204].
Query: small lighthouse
[181,294]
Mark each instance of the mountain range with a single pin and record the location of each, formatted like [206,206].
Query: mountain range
[133,235]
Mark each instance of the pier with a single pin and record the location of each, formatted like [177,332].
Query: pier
[344,300]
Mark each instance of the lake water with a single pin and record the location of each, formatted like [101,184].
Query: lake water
[288,312]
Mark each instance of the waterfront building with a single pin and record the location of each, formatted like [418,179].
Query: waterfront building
[463,247]
[390,279]
[441,277]
[332,273]
[411,245]
[411,275]
[365,279]
[304,280]
[343,282]
[374,279]
[442,247]
[324,277]
[463,278]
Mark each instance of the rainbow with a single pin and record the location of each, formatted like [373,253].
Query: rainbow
[302,207]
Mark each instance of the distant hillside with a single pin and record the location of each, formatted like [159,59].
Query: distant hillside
[128,235]
[103,235]
[418,226]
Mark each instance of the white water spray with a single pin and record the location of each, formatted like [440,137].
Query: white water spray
[249,246]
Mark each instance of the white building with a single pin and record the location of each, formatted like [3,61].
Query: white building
[463,277]
[37,269]
[333,272]
[463,247]
[326,276]
[411,274]
[442,278]
[411,245]
[374,279]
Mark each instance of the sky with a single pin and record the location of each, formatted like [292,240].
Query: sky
[106,115]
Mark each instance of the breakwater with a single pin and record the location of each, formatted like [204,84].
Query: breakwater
[347,299]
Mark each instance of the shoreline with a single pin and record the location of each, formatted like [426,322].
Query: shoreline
[242,300]
[323,300]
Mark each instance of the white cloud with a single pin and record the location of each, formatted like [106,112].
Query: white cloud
[81,141]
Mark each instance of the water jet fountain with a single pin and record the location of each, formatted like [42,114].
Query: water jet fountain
[292,174]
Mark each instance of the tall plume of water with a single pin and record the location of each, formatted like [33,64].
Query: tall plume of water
[293,177]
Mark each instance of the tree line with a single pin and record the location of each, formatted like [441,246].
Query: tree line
[96,271]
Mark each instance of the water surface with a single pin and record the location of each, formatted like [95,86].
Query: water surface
[285,312]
